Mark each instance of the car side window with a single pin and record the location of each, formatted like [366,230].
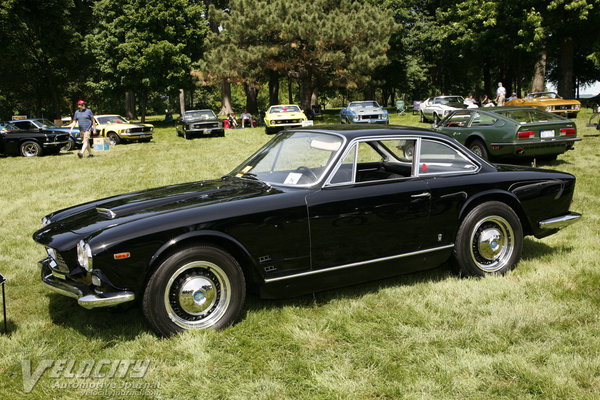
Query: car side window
[24,125]
[376,160]
[437,157]
[480,119]
[458,119]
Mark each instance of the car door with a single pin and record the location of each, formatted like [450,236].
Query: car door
[457,125]
[373,207]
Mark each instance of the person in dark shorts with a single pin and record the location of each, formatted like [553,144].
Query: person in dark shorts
[85,118]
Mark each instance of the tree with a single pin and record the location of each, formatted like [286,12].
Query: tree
[42,55]
[146,46]
[324,42]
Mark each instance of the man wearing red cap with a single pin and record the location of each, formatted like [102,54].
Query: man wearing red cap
[85,118]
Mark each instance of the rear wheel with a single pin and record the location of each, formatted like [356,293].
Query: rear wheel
[478,147]
[489,240]
[198,287]
[30,149]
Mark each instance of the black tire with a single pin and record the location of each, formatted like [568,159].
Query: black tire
[185,135]
[423,119]
[489,240]
[270,131]
[436,119]
[70,145]
[30,148]
[478,148]
[114,138]
[177,293]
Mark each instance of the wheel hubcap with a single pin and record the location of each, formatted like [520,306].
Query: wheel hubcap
[476,150]
[492,243]
[197,295]
[30,150]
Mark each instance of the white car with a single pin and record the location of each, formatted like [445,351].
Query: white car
[437,108]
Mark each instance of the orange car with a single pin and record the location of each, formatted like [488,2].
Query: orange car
[548,101]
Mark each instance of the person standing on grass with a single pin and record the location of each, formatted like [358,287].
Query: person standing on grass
[85,118]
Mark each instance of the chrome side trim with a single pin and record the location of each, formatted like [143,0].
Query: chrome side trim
[106,212]
[560,222]
[357,264]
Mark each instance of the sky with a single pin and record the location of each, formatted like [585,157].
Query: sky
[592,89]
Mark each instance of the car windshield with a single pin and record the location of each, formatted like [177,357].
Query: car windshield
[292,159]
[45,123]
[545,95]
[202,114]
[111,119]
[283,109]
[363,104]
[449,100]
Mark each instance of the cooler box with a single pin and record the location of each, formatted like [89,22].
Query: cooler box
[101,144]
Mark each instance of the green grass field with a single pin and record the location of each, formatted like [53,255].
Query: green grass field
[532,334]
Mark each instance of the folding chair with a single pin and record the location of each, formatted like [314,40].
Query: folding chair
[595,115]
[416,107]
[400,107]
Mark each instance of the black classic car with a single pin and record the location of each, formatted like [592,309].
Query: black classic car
[313,209]
[196,123]
[32,142]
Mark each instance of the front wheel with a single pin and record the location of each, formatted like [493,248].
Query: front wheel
[196,288]
[114,139]
[31,149]
[70,145]
[489,240]
[423,117]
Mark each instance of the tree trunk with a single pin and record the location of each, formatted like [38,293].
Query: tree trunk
[290,94]
[566,82]
[273,88]
[487,81]
[539,73]
[226,108]
[314,97]
[251,95]
[143,106]
[130,105]
[306,91]
[181,101]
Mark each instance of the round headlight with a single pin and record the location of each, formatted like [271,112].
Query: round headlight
[549,108]
[84,255]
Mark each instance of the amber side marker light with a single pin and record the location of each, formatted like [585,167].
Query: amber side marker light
[120,256]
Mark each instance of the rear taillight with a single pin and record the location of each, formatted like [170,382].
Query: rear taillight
[568,131]
[525,134]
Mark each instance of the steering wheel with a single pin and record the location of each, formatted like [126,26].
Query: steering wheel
[307,171]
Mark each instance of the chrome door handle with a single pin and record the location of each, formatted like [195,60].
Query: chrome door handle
[421,195]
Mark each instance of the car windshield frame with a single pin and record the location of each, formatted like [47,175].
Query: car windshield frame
[284,109]
[545,95]
[111,119]
[271,163]
[449,100]
[364,104]
[200,114]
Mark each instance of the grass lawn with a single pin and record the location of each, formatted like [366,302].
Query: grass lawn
[532,334]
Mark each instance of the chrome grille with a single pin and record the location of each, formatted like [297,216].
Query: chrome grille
[207,125]
[58,259]
[141,129]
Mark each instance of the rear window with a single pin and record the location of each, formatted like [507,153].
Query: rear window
[530,116]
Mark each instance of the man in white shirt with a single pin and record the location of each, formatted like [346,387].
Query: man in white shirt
[500,95]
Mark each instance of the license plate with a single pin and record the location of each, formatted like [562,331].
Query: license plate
[546,134]
[207,131]
[142,136]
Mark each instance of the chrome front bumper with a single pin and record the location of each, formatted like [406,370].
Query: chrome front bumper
[86,300]
[560,222]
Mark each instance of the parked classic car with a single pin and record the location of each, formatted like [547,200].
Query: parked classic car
[437,108]
[511,132]
[195,123]
[117,129]
[283,116]
[313,209]
[36,124]
[30,142]
[548,101]
[364,112]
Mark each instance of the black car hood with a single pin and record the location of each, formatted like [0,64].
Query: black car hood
[192,120]
[112,211]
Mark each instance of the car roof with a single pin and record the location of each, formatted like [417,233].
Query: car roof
[353,131]
[204,109]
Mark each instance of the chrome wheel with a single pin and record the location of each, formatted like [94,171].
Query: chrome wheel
[197,295]
[31,149]
[476,150]
[492,243]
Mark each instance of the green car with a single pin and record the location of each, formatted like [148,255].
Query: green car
[510,132]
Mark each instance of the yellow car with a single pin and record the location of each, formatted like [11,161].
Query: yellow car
[548,101]
[284,116]
[117,129]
